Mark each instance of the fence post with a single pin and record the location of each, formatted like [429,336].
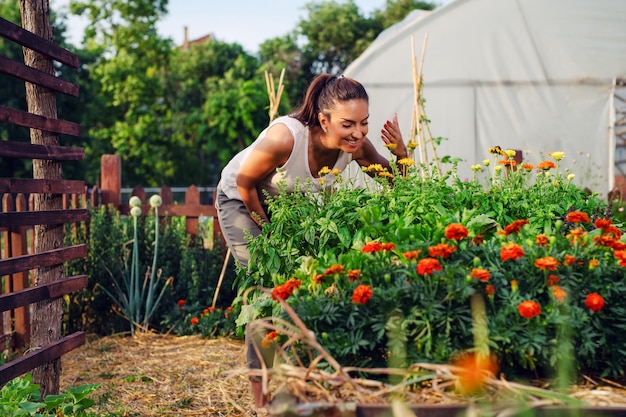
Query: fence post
[192,196]
[111,180]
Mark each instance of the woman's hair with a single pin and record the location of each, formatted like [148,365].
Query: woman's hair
[323,93]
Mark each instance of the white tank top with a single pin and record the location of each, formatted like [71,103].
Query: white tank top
[295,170]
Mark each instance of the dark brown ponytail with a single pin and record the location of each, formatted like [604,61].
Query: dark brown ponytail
[323,93]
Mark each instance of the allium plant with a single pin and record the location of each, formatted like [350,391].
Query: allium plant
[136,295]
[387,272]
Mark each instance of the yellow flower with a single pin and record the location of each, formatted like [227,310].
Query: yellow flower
[477,168]
[412,145]
[498,168]
[335,171]
[391,146]
[406,161]
[375,168]
[325,170]
[385,174]
[570,177]
[321,181]
[486,162]
[510,153]
[557,155]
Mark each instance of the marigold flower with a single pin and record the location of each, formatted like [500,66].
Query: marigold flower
[569,260]
[442,250]
[456,231]
[620,255]
[481,274]
[557,155]
[546,165]
[577,217]
[547,262]
[542,240]
[515,227]
[576,235]
[529,309]
[528,167]
[594,302]
[362,294]
[194,321]
[478,240]
[602,223]
[511,251]
[269,339]
[412,254]
[181,303]
[377,247]
[552,280]
[508,162]
[490,290]
[334,270]
[427,266]
[472,369]
[282,292]
[318,279]
[593,263]
[354,275]
[559,293]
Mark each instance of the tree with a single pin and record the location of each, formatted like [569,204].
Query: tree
[396,10]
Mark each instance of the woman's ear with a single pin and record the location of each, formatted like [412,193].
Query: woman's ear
[323,121]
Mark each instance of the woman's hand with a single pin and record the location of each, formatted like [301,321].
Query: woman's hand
[391,135]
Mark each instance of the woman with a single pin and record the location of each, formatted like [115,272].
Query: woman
[329,130]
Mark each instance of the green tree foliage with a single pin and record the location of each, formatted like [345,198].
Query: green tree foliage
[397,10]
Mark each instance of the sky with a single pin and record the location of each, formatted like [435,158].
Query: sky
[247,22]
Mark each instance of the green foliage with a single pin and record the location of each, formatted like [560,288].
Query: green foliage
[21,398]
[320,240]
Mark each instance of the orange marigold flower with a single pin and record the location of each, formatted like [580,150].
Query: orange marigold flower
[577,217]
[478,240]
[427,266]
[362,294]
[411,255]
[490,290]
[456,231]
[194,321]
[508,162]
[559,293]
[602,223]
[528,167]
[612,231]
[576,234]
[354,275]
[593,263]
[181,303]
[617,245]
[388,246]
[481,274]
[472,369]
[529,309]
[442,250]
[546,165]
[542,240]
[515,227]
[594,302]
[371,247]
[511,251]
[552,280]
[318,279]
[604,240]
[334,270]
[569,260]
[269,339]
[547,262]
[620,255]
[282,292]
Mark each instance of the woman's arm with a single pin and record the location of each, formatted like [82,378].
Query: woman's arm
[270,153]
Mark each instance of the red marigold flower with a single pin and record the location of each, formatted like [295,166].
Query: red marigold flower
[577,217]
[546,165]
[472,369]
[181,303]
[194,321]
[478,240]
[427,266]
[594,302]
[410,255]
[529,309]
[334,270]
[559,293]
[602,223]
[542,240]
[371,247]
[362,294]
[318,279]
[515,227]
[481,274]
[354,275]
[547,262]
[490,290]
[620,255]
[456,231]
[282,292]
[617,245]
[388,247]
[552,280]
[442,250]
[569,260]
[269,339]
[604,240]
[511,251]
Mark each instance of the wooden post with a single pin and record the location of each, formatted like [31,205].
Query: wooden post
[111,180]
[47,315]
[21,315]
[192,196]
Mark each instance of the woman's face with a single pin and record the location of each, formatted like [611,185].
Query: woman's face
[346,126]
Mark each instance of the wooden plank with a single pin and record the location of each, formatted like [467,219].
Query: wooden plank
[32,75]
[28,39]
[36,358]
[32,151]
[23,118]
[41,259]
[42,292]
[32,218]
[41,186]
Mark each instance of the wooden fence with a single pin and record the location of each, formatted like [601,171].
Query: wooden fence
[31,268]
